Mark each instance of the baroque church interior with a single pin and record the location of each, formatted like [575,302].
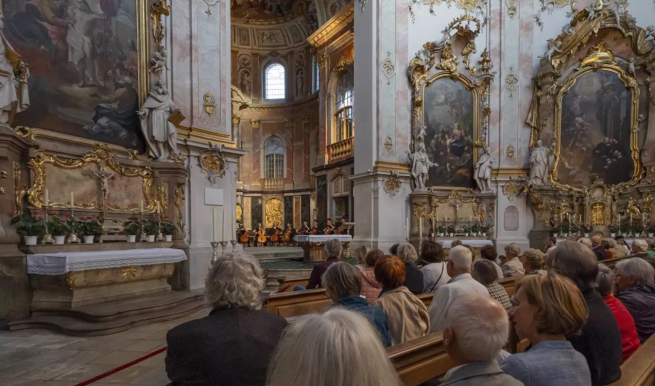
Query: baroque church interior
[178,178]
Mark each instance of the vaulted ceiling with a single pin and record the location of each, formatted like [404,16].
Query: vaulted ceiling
[268,12]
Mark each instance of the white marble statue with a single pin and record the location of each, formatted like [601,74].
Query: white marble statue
[553,46]
[104,181]
[421,164]
[540,161]
[158,62]
[483,171]
[160,134]
[11,90]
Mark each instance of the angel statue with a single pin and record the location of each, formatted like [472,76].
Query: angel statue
[421,164]
[540,161]
[483,171]
[159,132]
[14,95]
[553,46]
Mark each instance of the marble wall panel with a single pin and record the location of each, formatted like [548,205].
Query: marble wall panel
[257,211]
[305,209]
[321,199]
[288,211]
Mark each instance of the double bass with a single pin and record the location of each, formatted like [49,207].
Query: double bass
[261,236]
[243,239]
[275,237]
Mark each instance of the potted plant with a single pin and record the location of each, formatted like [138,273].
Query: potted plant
[574,229]
[651,231]
[151,228]
[466,230]
[637,230]
[555,231]
[59,228]
[168,229]
[484,229]
[451,230]
[613,230]
[564,230]
[441,230]
[475,230]
[88,228]
[585,229]
[132,229]
[29,227]
[625,230]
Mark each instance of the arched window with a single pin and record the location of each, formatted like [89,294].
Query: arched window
[274,81]
[344,114]
[274,158]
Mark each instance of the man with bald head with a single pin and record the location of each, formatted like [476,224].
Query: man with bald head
[597,247]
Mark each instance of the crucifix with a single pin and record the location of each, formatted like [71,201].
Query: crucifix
[456,203]
[104,181]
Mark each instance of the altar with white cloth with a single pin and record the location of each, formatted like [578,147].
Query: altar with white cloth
[64,280]
[314,245]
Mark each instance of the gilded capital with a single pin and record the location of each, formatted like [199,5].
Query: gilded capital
[236,119]
[254,123]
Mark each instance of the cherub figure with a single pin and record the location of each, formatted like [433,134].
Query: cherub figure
[553,46]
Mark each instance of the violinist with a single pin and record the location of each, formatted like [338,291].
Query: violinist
[260,238]
[242,235]
[314,230]
[329,228]
[342,229]
[304,229]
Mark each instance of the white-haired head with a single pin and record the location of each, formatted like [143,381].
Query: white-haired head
[512,250]
[460,260]
[637,271]
[333,249]
[639,246]
[407,253]
[235,279]
[585,241]
[477,328]
[339,347]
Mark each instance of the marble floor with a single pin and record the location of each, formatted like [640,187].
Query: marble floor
[47,358]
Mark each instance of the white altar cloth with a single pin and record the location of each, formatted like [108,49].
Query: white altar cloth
[471,243]
[322,238]
[61,263]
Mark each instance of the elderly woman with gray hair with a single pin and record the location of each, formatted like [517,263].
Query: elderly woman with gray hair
[635,282]
[512,266]
[413,275]
[333,250]
[203,351]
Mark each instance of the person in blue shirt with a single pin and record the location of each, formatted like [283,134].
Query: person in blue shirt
[343,284]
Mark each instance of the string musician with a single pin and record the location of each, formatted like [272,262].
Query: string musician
[342,229]
[329,229]
[304,229]
[242,235]
[314,230]
[260,235]
[289,235]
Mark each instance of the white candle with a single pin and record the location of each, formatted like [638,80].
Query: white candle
[223,237]
[72,200]
[158,207]
[420,229]
[407,227]
[630,218]
[214,223]
[141,206]
[46,197]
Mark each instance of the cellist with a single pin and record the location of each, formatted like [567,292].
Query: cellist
[260,238]
[304,229]
[314,230]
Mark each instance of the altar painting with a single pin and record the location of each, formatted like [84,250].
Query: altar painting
[449,122]
[596,131]
[83,57]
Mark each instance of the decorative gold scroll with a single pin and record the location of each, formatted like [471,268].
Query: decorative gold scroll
[106,160]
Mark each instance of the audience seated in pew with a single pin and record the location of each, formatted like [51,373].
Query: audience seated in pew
[484,272]
[434,271]
[333,251]
[360,256]
[614,250]
[475,330]
[512,266]
[629,338]
[235,343]
[394,250]
[370,287]
[600,339]
[533,262]
[459,269]
[343,285]
[597,248]
[621,243]
[551,244]
[635,282]
[639,248]
[548,309]
[456,243]
[407,316]
[337,348]
[413,275]
[488,252]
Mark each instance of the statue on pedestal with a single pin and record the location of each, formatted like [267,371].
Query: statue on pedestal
[14,96]
[159,132]
[421,164]
[540,160]
[483,171]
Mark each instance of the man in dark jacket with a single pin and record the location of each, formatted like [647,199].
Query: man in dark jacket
[235,343]
[333,250]
[635,280]
[600,339]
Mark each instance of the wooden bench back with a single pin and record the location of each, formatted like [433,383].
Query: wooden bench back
[290,304]
[419,360]
[639,369]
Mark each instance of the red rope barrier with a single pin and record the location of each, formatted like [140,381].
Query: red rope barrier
[123,367]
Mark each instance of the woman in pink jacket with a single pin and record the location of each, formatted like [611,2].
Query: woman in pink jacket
[370,288]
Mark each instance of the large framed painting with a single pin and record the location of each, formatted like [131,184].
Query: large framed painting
[88,65]
[449,119]
[597,109]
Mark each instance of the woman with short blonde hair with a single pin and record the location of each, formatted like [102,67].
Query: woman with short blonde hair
[548,309]
[533,262]
[337,348]
[360,256]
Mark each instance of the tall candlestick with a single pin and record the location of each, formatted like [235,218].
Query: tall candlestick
[420,229]
[46,197]
[214,223]
[223,238]
[72,200]
[158,207]
[141,208]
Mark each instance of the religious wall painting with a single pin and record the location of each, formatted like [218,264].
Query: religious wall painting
[87,63]
[449,118]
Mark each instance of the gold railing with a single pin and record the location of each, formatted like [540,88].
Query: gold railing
[340,150]
[273,183]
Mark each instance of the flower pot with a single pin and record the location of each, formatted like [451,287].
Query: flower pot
[466,235]
[151,238]
[586,234]
[30,240]
[59,240]
[451,234]
[554,234]
[131,238]
[650,235]
[612,235]
[169,237]
[88,239]
[440,234]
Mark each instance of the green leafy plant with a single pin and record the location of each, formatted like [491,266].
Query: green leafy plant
[585,228]
[625,229]
[451,229]
[613,229]
[132,227]
[441,229]
[466,229]
[637,229]
[151,227]
[475,229]
[564,229]
[26,225]
[88,226]
[167,227]
[485,228]
[59,226]
[651,229]
[574,228]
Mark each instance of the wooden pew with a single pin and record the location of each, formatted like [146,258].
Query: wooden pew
[290,304]
[639,369]
[420,360]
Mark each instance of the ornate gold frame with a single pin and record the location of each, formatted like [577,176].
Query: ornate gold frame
[104,158]
[599,58]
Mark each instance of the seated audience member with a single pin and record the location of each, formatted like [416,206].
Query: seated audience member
[333,252]
[533,262]
[434,270]
[337,348]
[475,331]
[600,339]
[635,282]
[547,310]
[413,275]
[370,287]
[513,265]
[360,256]
[551,244]
[639,248]
[461,282]
[615,251]
[232,288]
[394,249]
[455,243]
[488,252]
[629,337]
[585,241]
[407,316]
[606,246]
[597,247]
[343,285]
[484,272]
[620,243]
